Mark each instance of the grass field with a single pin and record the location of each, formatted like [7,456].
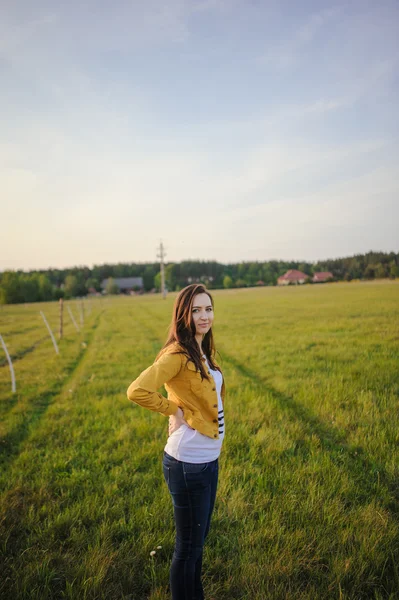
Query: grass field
[308,499]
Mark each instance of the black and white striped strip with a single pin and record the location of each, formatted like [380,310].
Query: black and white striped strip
[221,421]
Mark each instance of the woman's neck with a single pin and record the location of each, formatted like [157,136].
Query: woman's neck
[199,341]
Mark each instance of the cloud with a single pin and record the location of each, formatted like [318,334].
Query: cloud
[89,27]
[17,36]
[336,203]
[116,210]
[270,172]
[345,218]
[286,54]
[91,149]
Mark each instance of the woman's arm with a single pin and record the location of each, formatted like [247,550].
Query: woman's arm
[143,390]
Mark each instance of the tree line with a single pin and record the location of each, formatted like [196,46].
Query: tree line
[52,284]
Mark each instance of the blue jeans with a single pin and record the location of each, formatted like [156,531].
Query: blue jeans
[193,490]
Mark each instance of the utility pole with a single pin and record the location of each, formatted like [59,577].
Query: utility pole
[162,255]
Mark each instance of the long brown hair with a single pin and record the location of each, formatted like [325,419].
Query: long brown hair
[182,329]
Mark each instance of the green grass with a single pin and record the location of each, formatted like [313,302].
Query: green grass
[308,499]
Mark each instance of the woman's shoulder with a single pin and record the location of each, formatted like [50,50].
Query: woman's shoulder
[172,348]
[175,346]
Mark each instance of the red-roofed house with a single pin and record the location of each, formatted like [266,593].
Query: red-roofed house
[292,276]
[322,277]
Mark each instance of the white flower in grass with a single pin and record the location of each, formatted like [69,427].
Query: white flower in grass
[159,547]
[152,553]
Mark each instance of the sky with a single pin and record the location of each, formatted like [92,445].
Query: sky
[232,130]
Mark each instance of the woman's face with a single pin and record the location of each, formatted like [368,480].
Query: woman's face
[202,313]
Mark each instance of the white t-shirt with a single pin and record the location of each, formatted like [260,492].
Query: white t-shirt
[189,445]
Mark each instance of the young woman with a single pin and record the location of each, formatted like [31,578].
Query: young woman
[194,382]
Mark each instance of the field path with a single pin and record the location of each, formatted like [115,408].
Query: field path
[12,442]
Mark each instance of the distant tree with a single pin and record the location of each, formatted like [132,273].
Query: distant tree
[242,269]
[70,286]
[369,272]
[305,268]
[121,270]
[58,293]
[30,287]
[92,283]
[227,282]
[354,269]
[37,285]
[393,270]
[111,287]
[170,276]
[45,288]
[267,276]
[148,278]
[81,289]
[157,281]
[241,283]
[11,289]
[254,273]
[380,271]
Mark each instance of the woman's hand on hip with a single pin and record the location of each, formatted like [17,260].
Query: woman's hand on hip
[176,420]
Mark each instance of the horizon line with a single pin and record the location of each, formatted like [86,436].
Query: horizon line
[94,265]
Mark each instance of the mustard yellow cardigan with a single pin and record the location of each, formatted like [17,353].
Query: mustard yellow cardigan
[185,388]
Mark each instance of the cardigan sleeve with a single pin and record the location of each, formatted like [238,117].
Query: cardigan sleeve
[143,390]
